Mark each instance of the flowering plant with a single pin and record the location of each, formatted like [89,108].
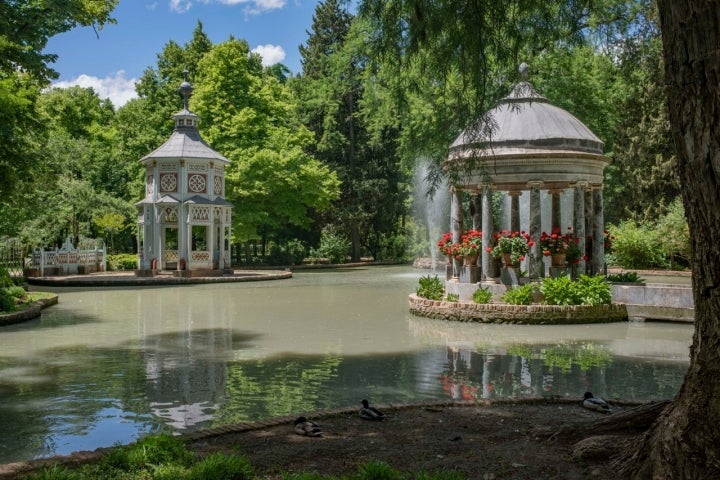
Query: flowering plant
[445,244]
[516,244]
[563,244]
[471,243]
[608,241]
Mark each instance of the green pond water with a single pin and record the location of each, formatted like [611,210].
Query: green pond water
[108,365]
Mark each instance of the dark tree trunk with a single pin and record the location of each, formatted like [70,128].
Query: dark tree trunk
[684,443]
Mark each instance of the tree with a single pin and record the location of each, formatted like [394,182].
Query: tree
[249,117]
[683,442]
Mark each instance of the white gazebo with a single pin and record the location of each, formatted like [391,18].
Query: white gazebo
[184,219]
[538,151]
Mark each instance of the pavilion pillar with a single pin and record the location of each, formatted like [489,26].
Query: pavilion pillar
[456,225]
[598,257]
[514,210]
[487,227]
[579,223]
[537,267]
[182,223]
[477,212]
[588,223]
[555,212]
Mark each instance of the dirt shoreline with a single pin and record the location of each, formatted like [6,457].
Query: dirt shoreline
[484,440]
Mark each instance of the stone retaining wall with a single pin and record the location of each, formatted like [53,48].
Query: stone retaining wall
[465,311]
[33,311]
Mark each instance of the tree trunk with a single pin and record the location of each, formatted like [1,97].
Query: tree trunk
[683,443]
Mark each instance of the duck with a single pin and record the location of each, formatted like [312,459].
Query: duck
[307,428]
[594,403]
[369,413]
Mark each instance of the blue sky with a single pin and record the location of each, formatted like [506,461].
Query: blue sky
[114,61]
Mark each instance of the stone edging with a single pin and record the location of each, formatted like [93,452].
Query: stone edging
[465,311]
[34,310]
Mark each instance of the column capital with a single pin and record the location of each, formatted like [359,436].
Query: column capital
[483,185]
[595,186]
[535,184]
[514,193]
[583,184]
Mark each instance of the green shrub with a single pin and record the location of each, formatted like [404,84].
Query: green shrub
[560,291]
[333,246]
[7,301]
[625,277]
[522,295]
[482,295]
[431,288]
[5,279]
[54,472]
[593,290]
[452,297]
[635,247]
[122,261]
[221,467]
[290,253]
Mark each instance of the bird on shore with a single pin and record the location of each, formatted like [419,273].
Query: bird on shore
[307,428]
[596,404]
[369,413]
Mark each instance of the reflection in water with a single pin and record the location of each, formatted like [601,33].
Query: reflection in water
[110,365]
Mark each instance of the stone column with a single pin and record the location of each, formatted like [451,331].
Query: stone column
[579,223]
[456,226]
[536,267]
[514,210]
[487,227]
[477,212]
[588,222]
[183,245]
[598,260]
[556,213]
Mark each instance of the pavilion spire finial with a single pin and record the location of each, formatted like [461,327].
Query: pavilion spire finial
[186,89]
[524,71]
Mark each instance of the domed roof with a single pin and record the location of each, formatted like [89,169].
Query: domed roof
[525,121]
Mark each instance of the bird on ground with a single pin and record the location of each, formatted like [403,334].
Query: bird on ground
[369,413]
[307,428]
[594,403]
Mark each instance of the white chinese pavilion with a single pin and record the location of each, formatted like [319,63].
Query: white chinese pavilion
[184,219]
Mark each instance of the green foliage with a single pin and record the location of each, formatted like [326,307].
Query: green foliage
[5,279]
[586,290]
[625,277]
[221,467]
[520,295]
[559,291]
[634,247]
[593,290]
[431,288]
[376,470]
[290,253]
[482,295]
[452,297]
[122,261]
[146,453]
[7,301]
[672,235]
[333,246]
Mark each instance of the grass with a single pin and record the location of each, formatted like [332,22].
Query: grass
[164,457]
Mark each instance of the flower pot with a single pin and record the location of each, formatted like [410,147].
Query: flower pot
[557,259]
[507,260]
[470,260]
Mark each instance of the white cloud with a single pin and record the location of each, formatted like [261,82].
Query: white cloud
[252,7]
[180,6]
[271,54]
[118,89]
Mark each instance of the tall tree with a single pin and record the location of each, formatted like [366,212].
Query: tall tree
[249,116]
[683,442]
[331,91]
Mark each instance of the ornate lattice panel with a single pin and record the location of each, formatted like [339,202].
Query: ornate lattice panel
[197,183]
[218,186]
[168,182]
[200,213]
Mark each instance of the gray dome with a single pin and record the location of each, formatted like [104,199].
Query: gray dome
[526,121]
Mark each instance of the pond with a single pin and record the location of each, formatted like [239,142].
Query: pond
[108,365]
